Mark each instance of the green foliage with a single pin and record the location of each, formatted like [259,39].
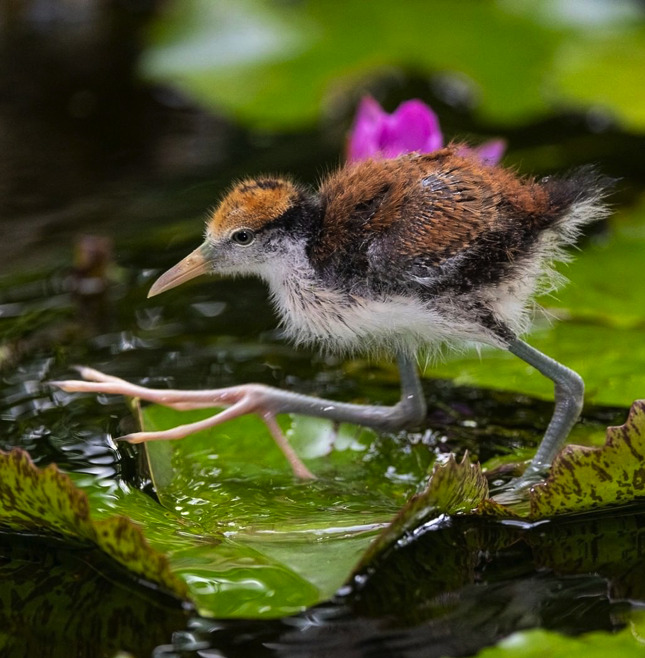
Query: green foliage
[63,603]
[277,65]
[275,544]
[581,479]
[453,488]
[249,540]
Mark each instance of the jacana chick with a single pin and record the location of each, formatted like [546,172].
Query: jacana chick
[391,257]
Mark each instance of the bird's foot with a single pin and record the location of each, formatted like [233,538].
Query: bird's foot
[238,400]
[518,489]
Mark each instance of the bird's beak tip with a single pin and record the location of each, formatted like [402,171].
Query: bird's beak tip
[190,267]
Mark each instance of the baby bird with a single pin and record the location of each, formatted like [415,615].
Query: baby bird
[391,257]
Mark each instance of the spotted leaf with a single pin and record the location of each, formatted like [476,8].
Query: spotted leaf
[584,478]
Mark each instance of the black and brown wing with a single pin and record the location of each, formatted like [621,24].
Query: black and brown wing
[420,213]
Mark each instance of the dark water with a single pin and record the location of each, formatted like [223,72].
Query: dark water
[86,150]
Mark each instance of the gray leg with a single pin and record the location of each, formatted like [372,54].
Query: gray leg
[569,392]
[265,401]
[258,398]
[410,411]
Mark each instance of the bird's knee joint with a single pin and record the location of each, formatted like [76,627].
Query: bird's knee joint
[409,413]
[572,389]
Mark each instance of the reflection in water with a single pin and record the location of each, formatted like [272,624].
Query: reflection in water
[56,602]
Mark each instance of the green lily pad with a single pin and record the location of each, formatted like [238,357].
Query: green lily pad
[73,600]
[240,535]
[608,359]
[453,488]
[581,479]
[281,544]
[46,501]
[278,66]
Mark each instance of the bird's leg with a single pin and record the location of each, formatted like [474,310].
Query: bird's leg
[569,392]
[265,401]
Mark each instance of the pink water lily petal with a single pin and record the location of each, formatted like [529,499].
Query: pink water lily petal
[412,127]
[376,134]
[366,133]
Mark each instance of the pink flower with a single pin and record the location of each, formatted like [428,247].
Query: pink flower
[413,126]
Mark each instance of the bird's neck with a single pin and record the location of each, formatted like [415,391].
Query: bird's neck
[302,300]
[291,270]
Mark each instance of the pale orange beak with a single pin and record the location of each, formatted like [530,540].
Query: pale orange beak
[190,267]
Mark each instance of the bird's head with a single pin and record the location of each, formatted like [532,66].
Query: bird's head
[252,231]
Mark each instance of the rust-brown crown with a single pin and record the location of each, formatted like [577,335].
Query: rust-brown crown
[253,204]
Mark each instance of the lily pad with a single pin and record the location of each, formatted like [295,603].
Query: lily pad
[282,544]
[583,478]
[73,600]
[46,501]
[453,488]
[246,539]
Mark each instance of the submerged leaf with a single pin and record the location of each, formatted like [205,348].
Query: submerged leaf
[583,478]
[55,602]
[46,501]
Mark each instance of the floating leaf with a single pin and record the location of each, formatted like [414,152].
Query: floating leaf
[583,478]
[72,601]
[453,488]
[46,501]
[283,544]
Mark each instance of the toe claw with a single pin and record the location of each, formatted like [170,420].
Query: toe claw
[93,375]
[128,438]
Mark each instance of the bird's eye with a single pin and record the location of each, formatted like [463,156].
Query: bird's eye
[244,237]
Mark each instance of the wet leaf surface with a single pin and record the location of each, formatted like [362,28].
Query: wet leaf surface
[283,544]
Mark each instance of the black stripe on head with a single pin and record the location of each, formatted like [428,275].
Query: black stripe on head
[302,218]
[269,184]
